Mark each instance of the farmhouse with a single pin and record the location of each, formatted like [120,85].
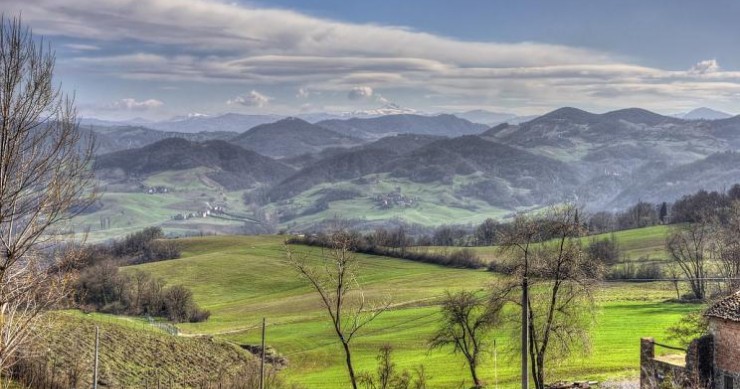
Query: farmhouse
[710,361]
[724,325]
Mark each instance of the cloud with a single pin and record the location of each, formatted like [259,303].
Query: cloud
[706,66]
[382,100]
[251,99]
[130,104]
[360,93]
[81,47]
[217,43]
[302,93]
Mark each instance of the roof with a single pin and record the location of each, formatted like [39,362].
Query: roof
[727,308]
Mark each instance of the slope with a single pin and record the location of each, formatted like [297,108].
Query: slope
[374,128]
[291,137]
[242,279]
[235,167]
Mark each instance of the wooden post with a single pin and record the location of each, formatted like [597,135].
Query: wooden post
[262,362]
[495,364]
[97,347]
[525,331]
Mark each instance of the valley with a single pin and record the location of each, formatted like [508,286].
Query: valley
[424,171]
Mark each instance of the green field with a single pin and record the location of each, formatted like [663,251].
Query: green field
[242,279]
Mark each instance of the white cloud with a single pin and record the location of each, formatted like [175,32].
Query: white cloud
[251,99]
[302,93]
[131,104]
[81,47]
[360,92]
[211,41]
[706,66]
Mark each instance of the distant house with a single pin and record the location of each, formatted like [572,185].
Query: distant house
[724,325]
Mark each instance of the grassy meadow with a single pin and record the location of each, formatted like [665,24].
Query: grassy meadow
[244,278]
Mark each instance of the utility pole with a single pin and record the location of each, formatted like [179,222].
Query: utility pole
[97,347]
[525,329]
[262,363]
[495,364]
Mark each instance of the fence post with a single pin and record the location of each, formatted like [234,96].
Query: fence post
[262,362]
[97,346]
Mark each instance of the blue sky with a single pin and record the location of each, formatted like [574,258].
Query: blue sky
[161,58]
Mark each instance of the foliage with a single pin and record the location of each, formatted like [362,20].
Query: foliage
[561,279]
[691,326]
[387,374]
[605,250]
[466,320]
[103,288]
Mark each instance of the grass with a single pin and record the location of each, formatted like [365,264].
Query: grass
[132,351]
[242,279]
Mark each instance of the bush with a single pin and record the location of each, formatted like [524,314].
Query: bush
[104,289]
[604,250]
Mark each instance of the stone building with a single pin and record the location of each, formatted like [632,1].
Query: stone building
[724,325]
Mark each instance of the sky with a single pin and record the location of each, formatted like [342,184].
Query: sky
[157,59]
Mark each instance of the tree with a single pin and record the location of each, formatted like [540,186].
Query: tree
[485,234]
[687,246]
[663,212]
[466,320]
[727,247]
[387,375]
[563,279]
[44,180]
[335,279]
[605,250]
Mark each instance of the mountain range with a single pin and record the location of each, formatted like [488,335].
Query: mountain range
[430,169]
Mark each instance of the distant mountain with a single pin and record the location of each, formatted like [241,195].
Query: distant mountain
[341,167]
[402,143]
[704,113]
[291,137]
[233,167]
[232,122]
[487,117]
[109,139]
[577,132]
[386,109]
[501,175]
[716,172]
[507,176]
[374,128]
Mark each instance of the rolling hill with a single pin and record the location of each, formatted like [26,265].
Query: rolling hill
[291,137]
[116,138]
[244,278]
[603,161]
[378,127]
[234,167]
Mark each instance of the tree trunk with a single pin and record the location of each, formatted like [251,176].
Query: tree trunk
[474,374]
[350,369]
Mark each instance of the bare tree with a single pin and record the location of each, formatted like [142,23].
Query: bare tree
[466,320]
[563,279]
[44,179]
[389,377]
[687,246]
[727,246]
[335,281]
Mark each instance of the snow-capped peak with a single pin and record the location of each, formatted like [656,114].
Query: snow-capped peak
[386,109]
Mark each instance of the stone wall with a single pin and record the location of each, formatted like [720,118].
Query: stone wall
[654,371]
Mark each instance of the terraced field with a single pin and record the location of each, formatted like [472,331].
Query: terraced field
[242,279]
